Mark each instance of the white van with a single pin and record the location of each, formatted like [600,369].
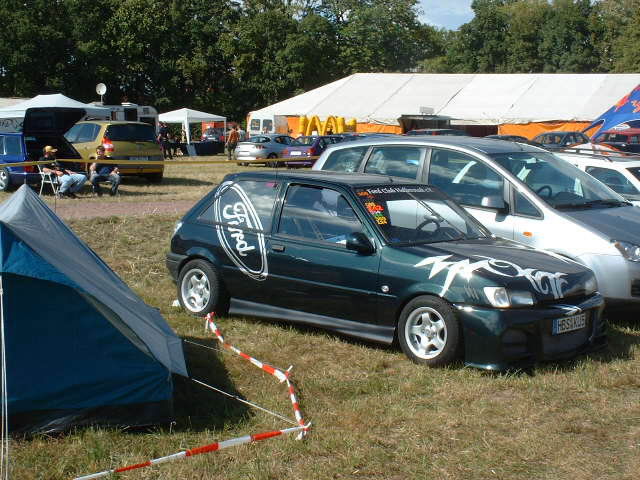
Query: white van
[520,192]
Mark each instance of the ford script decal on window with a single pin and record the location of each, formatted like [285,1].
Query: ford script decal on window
[234,214]
[541,281]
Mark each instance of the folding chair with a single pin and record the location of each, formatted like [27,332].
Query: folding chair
[50,178]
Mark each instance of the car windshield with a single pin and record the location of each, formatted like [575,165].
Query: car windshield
[415,214]
[305,140]
[635,171]
[558,182]
[130,132]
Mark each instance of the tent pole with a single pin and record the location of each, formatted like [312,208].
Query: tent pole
[4,434]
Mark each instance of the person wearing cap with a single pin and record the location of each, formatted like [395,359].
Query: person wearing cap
[102,172]
[70,182]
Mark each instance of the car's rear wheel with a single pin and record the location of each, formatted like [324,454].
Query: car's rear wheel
[201,290]
[429,331]
[5,180]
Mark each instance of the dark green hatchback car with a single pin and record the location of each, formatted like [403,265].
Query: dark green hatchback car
[381,260]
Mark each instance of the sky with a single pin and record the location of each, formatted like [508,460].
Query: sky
[449,14]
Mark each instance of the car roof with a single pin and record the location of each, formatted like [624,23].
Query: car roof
[335,178]
[482,145]
[628,161]
[115,122]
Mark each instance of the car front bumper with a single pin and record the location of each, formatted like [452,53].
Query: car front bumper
[501,339]
[618,279]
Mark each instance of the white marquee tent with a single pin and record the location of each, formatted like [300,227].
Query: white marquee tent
[466,99]
[185,116]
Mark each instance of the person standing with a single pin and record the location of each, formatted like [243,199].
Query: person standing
[70,182]
[232,141]
[163,140]
[101,172]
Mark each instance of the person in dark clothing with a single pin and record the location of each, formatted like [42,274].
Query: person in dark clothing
[101,172]
[69,181]
[163,140]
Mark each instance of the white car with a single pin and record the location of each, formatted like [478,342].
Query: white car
[520,192]
[620,173]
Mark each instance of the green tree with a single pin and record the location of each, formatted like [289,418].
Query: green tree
[524,19]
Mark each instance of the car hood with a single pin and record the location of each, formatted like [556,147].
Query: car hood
[617,223]
[472,264]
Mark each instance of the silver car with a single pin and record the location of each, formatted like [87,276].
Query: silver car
[520,192]
[264,146]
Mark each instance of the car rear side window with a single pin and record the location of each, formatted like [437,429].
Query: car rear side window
[132,132]
[317,213]
[465,178]
[345,159]
[11,146]
[613,179]
[395,161]
[239,199]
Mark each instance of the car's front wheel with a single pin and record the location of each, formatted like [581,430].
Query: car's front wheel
[201,290]
[429,331]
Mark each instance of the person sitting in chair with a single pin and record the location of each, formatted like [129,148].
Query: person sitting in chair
[70,182]
[101,172]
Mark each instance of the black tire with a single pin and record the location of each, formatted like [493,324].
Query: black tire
[429,331]
[272,164]
[154,177]
[201,290]
[5,180]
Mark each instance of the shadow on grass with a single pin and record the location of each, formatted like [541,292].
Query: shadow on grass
[197,407]
[168,181]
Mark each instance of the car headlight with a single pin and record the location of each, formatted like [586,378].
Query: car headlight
[177,227]
[591,285]
[500,297]
[628,250]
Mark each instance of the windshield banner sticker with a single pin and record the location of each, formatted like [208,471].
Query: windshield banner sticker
[541,281]
[234,214]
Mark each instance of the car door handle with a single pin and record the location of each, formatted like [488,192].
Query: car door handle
[277,248]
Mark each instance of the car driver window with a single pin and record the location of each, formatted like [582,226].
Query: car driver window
[319,214]
[395,161]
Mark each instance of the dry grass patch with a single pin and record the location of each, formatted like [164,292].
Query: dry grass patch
[375,414]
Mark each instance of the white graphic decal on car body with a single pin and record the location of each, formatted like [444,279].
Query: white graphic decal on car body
[541,281]
[232,219]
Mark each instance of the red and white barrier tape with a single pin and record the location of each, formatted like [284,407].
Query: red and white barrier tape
[212,447]
[279,374]
[302,428]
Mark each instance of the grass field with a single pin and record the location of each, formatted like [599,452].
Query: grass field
[375,415]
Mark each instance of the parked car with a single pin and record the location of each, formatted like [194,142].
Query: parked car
[308,146]
[41,127]
[128,141]
[370,257]
[625,140]
[436,131]
[513,138]
[559,140]
[620,173]
[263,146]
[520,192]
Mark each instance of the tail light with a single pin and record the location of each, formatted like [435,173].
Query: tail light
[312,152]
[285,152]
[30,169]
[108,145]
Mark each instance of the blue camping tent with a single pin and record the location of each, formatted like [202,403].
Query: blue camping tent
[626,110]
[81,347]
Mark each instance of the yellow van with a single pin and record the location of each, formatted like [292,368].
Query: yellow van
[131,141]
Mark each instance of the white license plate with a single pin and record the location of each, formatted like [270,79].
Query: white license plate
[569,324]
[139,159]
[295,154]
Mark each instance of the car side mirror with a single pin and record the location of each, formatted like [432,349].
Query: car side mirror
[495,202]
[360,243]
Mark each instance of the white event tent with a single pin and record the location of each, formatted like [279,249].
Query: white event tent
[185,116]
